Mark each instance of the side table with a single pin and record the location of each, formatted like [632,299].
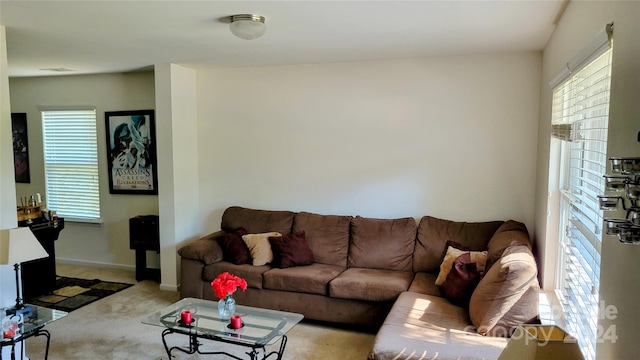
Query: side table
[31,326]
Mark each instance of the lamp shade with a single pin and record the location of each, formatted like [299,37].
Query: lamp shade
[247,26]
[20,245]
[533,342]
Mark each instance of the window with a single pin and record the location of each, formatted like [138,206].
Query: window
[71,163]
[580,118]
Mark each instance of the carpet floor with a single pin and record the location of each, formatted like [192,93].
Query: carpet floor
[111,328]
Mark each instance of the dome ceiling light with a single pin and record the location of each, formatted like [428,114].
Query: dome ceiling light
[247,26]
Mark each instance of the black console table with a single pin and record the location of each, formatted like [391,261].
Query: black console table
[144,234]
[39,276]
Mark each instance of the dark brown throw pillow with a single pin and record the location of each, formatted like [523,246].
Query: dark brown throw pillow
[461,280]
[234,250]
[291,250]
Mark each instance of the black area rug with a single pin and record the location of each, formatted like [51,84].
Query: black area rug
[72,293]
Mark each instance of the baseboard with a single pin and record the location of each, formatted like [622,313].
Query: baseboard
[96,264]
[104,265]
[169,287]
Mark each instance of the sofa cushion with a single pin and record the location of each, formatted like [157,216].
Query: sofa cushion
[251,274]
[461,280]
[429,327]
[234,250]
[204,249]
[434,233]
[370,284]
[312,279]
[496,307]
[479,257]
[424,283]
[290,250]
[260,248]
[326,235]
[382,243]
[509,234]
[257,221]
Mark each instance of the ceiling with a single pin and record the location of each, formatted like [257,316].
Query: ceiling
[118,36]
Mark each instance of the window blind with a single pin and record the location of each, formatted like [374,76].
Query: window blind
[596,47]
[583,102]
[71,163]
[562,124]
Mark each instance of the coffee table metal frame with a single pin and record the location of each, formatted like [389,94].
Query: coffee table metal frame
[262,327]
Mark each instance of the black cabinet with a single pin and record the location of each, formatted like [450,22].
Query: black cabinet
[144,234]
[39,276]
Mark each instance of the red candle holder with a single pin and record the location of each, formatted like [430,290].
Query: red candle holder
[236,322]
[186,317]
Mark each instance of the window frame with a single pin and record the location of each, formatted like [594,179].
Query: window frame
[586,141]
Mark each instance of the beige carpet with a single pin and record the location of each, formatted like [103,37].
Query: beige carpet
[110,328]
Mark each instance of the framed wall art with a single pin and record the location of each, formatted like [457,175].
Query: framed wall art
[131,152]
[20,147]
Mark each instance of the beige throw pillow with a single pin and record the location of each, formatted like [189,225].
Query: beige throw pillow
[260,247]
[479,257]
[507,295]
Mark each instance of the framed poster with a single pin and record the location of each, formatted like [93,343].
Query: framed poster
[131,152]
[20,147]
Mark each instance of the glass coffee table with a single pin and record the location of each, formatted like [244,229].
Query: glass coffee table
[261,327]
[32,326]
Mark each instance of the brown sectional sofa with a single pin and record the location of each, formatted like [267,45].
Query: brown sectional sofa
[380,274]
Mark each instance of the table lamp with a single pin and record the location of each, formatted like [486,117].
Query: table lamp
[17,246]
[533,342]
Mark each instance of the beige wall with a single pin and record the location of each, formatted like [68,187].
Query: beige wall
[450,137]
[108,244]
[619,265]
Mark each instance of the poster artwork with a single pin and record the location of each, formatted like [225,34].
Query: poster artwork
[132,159]
[20,147]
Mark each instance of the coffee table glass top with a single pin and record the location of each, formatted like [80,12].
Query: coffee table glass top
[261,326]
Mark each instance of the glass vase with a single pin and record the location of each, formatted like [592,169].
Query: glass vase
[226,307]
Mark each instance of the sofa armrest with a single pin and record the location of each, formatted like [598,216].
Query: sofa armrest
[205,249]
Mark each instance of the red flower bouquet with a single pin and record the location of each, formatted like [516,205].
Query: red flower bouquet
[226,284]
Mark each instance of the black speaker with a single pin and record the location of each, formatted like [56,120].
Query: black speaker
[144,233]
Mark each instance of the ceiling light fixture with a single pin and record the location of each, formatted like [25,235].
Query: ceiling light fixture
[247,26]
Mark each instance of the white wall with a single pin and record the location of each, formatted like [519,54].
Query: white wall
[177,165]
[106,245]
[8,215]
[619,265]
[379,139]
[450,137]
[617,288]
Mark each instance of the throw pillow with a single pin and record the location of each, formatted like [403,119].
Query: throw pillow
[260,247]
[461,280]
[452,254]
[234,250]
[291,250]
[507,295]
[509,234]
